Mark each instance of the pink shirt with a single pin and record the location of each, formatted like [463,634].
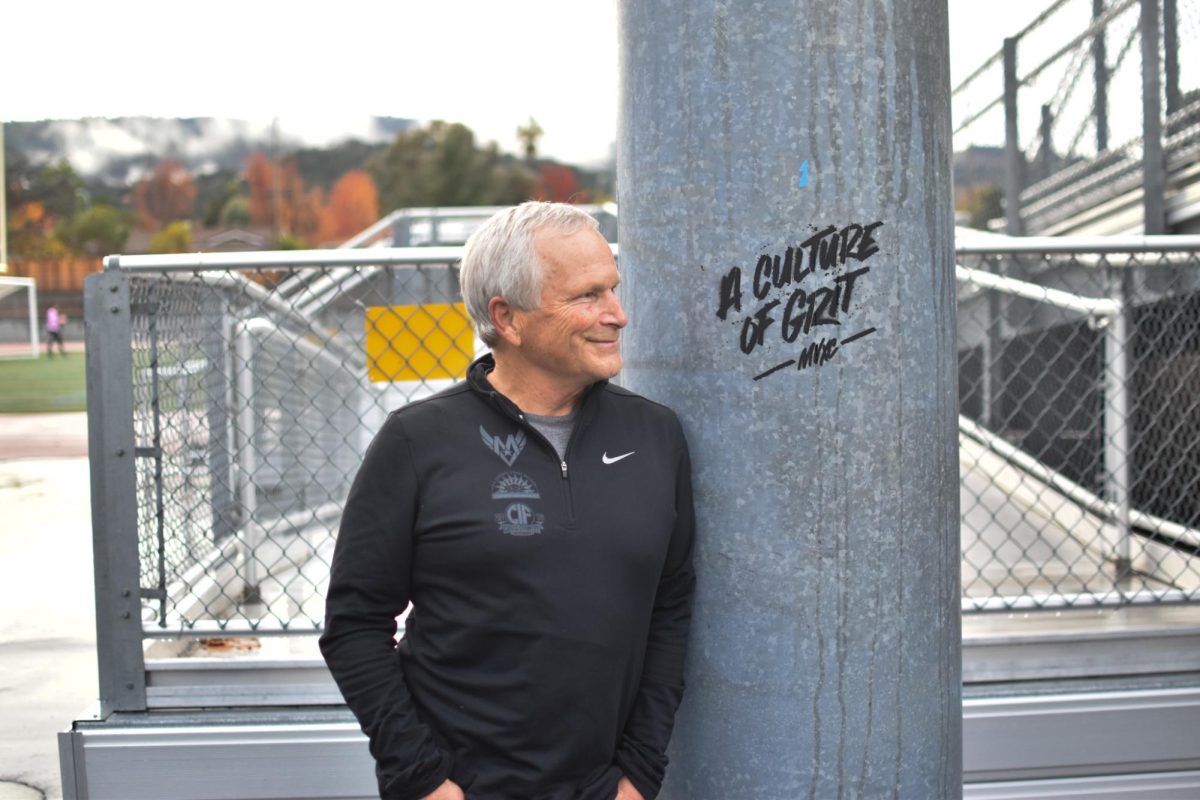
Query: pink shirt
[53,323]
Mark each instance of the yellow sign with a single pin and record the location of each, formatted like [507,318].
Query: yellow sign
[414,343]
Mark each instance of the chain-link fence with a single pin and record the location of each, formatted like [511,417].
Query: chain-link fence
[255,392]
[1065,98]
[1079,383]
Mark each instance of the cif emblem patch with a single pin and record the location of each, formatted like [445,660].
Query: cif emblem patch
[520,520]
[514,486]
[507,448]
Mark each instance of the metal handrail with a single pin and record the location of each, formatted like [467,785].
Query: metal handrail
[277,259]
[1055,297]
[999,54]
[1074,245]
[1106,510]
[1097,25]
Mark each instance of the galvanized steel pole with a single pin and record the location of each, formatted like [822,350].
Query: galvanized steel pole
[1014,159]
[787,253]
[1154,164]
[1100,72]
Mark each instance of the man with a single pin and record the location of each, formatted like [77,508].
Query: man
[539,521]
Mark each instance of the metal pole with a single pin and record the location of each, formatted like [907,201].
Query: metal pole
[219,402]
[251,531]
[1116,427]
[1014,161]
[111,452]
[1047,135]
[1100,61]
[1171,55]
[993,361]
[4,210]
[1154,177]
[820,404]
[35,322]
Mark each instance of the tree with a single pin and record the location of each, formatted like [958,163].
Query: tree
[214,207]
[559,184]
[98,231]
[260,179]
[529,134]
[59,189]
[176,237]
[166,195]
[235,212]
[278,197]
[440,165]
[39,199]
[352,206]
[31,233]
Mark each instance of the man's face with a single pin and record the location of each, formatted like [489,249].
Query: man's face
[573,337]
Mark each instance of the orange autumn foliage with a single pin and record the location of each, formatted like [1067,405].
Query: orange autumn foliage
[165,195]
[558,184]
[278,197]
[353,205]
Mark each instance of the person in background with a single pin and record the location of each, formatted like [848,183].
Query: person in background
[55,320]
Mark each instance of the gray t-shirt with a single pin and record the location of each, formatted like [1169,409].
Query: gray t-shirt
[556,429]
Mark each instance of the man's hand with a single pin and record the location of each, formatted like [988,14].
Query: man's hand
[625,791]
[449,790]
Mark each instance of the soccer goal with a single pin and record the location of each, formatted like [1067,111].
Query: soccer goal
[18,317]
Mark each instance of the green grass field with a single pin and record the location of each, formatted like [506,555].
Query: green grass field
[44,385]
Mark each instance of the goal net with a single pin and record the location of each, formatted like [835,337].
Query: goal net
[18,318]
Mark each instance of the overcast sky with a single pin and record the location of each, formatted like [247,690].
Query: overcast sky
[487,63]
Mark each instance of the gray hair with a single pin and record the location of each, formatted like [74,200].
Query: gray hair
[499,259]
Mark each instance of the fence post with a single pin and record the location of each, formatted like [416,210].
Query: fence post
[218,389]
[1100,71]
[994,367]
[1014,161]
[35,322]
[1116,426]
[247,460]
[758,149]
[402,230]
[1154,177]
[1046,131]
[4,215]
[111,454]
[1171,55]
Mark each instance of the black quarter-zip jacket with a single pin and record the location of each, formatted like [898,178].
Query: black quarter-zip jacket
[543,652]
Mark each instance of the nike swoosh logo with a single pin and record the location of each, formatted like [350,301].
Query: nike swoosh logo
[615,459]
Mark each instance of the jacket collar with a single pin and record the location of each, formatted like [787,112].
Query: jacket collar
[477,379]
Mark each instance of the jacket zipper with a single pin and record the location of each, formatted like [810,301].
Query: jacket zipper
[562,466]
[567,480]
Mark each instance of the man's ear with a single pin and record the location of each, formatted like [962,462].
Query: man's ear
[505,320]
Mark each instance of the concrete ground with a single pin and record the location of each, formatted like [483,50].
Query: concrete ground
[47,617]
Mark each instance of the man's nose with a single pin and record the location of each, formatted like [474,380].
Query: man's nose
[614,314]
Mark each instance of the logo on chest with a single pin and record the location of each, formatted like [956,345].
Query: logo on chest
[520,520]
[514,486]
[507,448]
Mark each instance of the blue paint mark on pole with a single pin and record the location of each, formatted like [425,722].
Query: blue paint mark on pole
[804,174]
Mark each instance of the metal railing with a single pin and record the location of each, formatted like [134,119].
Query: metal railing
[1094,99]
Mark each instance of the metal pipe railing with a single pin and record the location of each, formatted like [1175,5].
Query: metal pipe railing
[1033,291]
[1079,245]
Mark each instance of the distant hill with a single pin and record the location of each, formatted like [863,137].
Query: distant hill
[116,152]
